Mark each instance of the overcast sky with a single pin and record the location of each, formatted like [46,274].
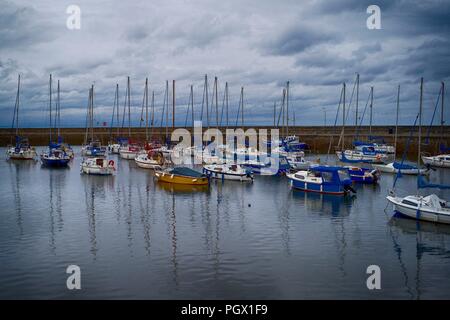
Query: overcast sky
[257,44]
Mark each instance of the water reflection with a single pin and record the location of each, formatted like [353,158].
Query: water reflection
[181,188]
[96,189]
[18,170]
[56,179]
[430,240]
[325,203]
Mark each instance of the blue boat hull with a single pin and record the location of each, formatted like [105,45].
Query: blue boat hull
[318,187]
[55,163]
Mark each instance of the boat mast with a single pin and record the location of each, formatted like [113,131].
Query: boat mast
[118,111]
[282,110]
[58,112]
[173,104]
[396,122]
[226,100]
[274,112]
[167,110]
[129,106]
[146,109]
[442,111]
[217,103]
[343,120]
[18,104]
[371,107]
[420,123]
[92,113]
[192,105]
[206,97]
[50,104]
[357,100]
[242,109]
[287,108]
[153,112]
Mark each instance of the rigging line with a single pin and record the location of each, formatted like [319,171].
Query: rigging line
[427,139]
[142,110]
[187,111]
[124,108]
[16,107]
[362,117]
[281,108]
[203,102]
[408,142]
[350,103]
[112,118]
[164,107]
[335,123]
[223,105]
[237,115]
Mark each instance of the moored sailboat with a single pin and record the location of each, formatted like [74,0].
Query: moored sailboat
[228,172]
[55,156]
[22,150]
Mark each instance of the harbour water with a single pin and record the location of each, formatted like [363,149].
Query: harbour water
[135,238]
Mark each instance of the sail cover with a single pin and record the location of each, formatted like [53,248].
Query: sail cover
[422,183]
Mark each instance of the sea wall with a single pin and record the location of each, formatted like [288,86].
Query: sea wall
[317,137]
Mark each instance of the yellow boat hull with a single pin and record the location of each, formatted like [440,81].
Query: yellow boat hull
[173,178]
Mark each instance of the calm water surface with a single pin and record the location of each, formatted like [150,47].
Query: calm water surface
[135,238]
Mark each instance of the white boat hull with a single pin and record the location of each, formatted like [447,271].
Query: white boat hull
[360,156]
[389,168]
[128,155]
[147,164]
[419,213]
[25,155]
[97,166]
[441,161]
[227,175]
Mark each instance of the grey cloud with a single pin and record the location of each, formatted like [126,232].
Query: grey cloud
[298,38]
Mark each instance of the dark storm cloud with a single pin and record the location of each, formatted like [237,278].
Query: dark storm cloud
[21,26]
[297,38]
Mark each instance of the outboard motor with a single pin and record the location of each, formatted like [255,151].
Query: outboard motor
[349,188]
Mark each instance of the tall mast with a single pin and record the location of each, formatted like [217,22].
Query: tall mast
[282,110]
[242,109]
[206,97]
[153,113]
[118,111]
[16,108]
[396,122]
[58,112]
[173,104]
[442,111]
[192,105]
[357,100]
[167,110]
[420,123]
[287,109]
[274,113]
[146,109]
[50,104]
[18,104]
[129,107]
[343,121]
[371,109]
[217,103]
[92,113]
[226,101]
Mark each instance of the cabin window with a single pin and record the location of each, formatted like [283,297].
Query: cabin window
[301,177]
[409,203]
[327,176]
[343,174]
